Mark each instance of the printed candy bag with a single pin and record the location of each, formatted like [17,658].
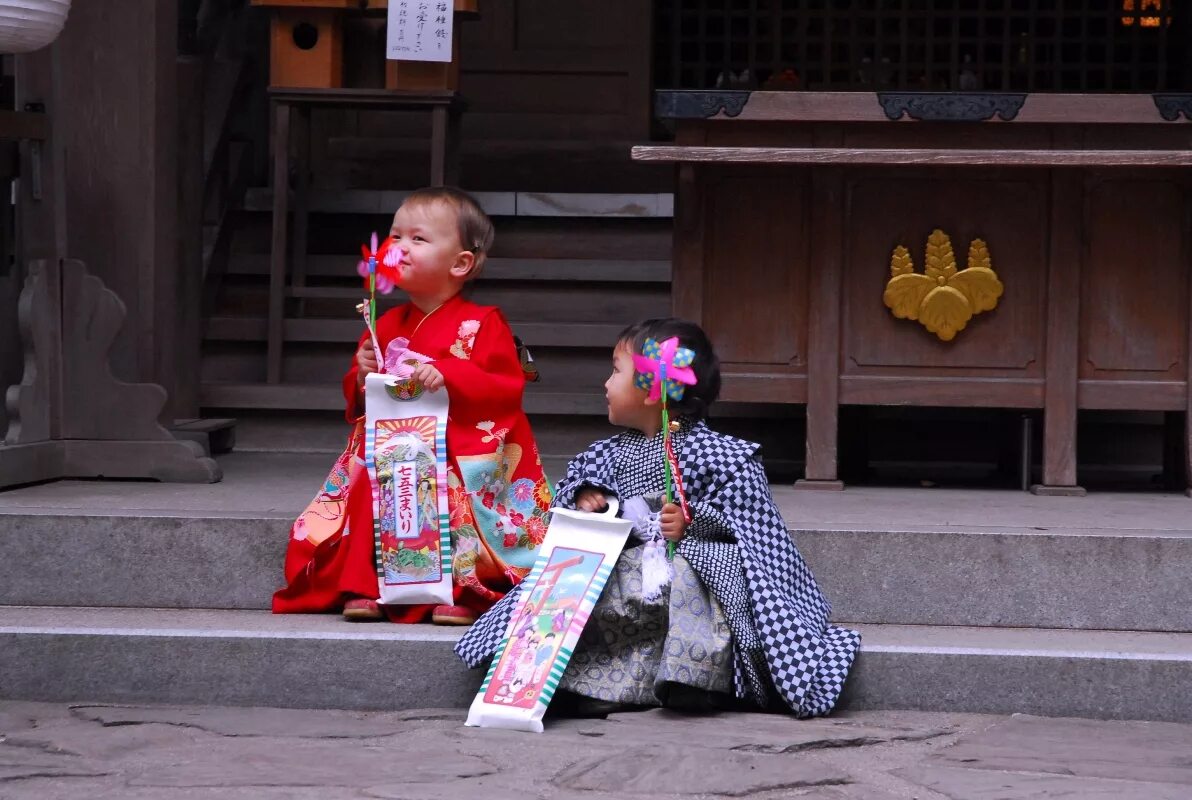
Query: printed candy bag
[405,453]
[576,558]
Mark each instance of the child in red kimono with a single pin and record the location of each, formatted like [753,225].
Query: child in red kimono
[497,493]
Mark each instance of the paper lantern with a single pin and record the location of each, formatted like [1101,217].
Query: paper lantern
[28,25]
[1137,10]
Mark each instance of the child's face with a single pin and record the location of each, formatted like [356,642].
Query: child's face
[627,404]
[434,260]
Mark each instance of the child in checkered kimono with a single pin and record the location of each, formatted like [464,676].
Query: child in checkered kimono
[735,619]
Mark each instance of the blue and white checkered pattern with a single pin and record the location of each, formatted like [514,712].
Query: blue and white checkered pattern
[739,545]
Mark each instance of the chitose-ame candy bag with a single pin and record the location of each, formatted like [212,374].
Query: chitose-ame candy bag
[405,453]
[576,558]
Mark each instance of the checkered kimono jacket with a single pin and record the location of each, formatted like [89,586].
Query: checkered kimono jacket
[787,655]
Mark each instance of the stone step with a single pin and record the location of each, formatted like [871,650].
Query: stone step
[1000,559]
[252,658]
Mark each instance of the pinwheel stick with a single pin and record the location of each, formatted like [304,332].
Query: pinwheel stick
[663,368]
[372,289]
[666,449]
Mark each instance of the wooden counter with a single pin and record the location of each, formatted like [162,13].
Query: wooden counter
[790,205]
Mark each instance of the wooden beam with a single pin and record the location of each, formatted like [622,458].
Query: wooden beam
[796,107]
[1118,395]
[882,390]
[329,397]
[923,157]
[562,270]
[535,334]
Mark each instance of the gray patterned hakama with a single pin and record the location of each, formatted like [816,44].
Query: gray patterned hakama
[631,647]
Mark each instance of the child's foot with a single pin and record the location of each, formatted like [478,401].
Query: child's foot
[362,609]
[452,615]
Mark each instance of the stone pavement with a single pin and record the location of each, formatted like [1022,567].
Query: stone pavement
[107,752]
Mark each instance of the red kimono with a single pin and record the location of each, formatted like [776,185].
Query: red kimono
[497,492]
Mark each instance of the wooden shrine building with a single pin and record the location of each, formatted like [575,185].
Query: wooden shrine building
[910,226]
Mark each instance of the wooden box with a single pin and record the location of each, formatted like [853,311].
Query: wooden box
[306,42]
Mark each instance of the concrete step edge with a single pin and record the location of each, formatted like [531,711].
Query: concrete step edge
[255,659]
[876,638]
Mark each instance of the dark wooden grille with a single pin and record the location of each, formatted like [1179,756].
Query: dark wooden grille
[939,45]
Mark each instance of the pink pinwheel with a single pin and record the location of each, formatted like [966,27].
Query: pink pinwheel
[664,366]
[380,269]
[384,262]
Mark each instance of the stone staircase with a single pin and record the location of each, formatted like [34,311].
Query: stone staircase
[968,601]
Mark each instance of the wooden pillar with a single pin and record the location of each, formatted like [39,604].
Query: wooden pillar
[104,184]
[277,259]
[1187,255]
[191,185]
[687,270]
[41,234]
[34,85]
[823,335]
[116,118]
[1065,257]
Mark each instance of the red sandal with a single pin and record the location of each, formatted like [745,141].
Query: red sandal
[362,609]
[453,615]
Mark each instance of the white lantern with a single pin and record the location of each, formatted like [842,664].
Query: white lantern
[28,25]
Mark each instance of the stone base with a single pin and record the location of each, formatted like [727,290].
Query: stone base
[819,486]
[70,417]
[173,461]
[1043,490]
[30,463]
[215,435]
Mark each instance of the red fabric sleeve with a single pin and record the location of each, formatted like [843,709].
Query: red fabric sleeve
[492,379]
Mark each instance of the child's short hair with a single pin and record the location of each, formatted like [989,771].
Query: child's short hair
[696,399]
[475,228]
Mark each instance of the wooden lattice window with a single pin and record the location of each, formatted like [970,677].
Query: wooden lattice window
[973,45]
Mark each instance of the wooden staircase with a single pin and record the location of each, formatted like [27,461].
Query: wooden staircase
[568,271]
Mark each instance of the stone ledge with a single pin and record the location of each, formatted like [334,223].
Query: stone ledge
[1087,579]
[319,661]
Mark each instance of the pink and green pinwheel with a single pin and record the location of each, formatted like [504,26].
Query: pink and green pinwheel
[664,370]
[664,365]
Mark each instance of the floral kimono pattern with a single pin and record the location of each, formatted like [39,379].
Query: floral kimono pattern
[498,496]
